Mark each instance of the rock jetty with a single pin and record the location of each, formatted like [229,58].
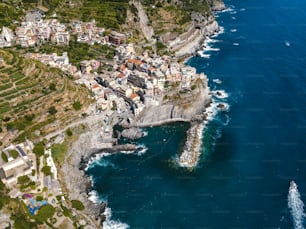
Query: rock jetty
[191,152]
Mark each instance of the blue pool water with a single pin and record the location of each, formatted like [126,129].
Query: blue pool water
[250,154]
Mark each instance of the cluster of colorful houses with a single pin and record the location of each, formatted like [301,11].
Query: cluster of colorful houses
[36,30]
[135,81]
[131,81]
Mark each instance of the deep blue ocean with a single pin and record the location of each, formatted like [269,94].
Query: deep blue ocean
[250,154]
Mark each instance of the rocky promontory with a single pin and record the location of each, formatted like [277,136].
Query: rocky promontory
[186,108]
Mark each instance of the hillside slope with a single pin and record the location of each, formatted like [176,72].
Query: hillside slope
[34,99]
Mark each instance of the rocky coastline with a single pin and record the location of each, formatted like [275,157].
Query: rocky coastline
[79,184]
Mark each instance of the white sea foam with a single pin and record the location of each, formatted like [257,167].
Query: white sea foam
[242,9]
[96,160]
[223,106]
[234,18]
[209,48]
[229,9]
[112,224]
[233,30]
[220,94]
[141,149]
[233,12]
[296,206]
[235,44]
[94,197]
[145,133]
[218,33]
[209,40]
[218,81]
[287,43]
[211,111]
[201,53]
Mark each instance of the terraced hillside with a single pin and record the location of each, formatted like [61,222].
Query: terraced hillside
[108,14]
[35,99]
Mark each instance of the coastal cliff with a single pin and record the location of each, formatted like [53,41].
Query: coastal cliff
[185,108]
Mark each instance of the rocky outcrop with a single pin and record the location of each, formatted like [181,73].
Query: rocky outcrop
[206,26]
[216,5]
[179,111]
[132,133]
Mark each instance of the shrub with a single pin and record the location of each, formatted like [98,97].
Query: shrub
[69,132]
[77,105]
[52,110]
[29,117]
[52,86]
[39,198]
[77,205]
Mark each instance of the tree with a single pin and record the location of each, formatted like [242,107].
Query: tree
[23,179]
[52,110]
[77,105]
[77,205]
[46,170]
[69,132]
[39,149]
[14,153]
[44,213]
[39,198]
[52,86]
[4,156]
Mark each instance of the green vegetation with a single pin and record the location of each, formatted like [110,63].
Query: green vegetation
[69,132]
[39,149]
[3,195]
[160,46]
[9,12]
[80,51]
[58,152]
[77,105]
[14,153]
[20,216]
[44,213]
[77,205]
[23,180]
[196,5]
[108,14]
[52,86]
[39,198]
[52,110]
[35,89]
[4,156]
[46,170]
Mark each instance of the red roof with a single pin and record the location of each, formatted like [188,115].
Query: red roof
[133,96]
[122,67]
[134,61]
[120,75]
[95,86]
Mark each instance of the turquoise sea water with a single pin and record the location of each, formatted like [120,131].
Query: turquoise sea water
[251,153]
